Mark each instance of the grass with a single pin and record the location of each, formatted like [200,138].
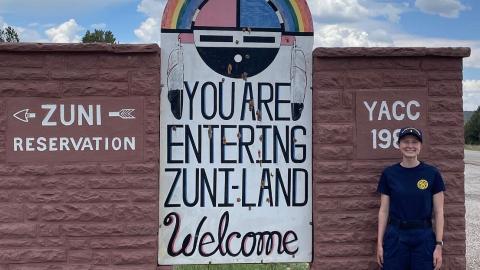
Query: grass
[275,266]
[472,147]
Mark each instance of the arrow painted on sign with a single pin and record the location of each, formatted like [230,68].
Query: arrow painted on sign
[24,115]
[123,114]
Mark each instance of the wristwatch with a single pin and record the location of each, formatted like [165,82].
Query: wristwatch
[440,243]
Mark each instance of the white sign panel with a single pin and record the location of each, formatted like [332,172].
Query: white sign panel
[235,134]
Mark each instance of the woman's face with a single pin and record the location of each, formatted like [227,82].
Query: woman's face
[410,146]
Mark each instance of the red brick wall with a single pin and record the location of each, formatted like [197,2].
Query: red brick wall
[345,201]
[100,215]
[88,215]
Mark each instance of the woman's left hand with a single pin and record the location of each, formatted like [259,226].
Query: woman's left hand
[437,257]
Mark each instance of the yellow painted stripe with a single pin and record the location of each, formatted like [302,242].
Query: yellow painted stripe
[176,13]
[298,14]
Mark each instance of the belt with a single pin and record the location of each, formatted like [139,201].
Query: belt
[410,224]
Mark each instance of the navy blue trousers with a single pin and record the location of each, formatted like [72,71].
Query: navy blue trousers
[410,249]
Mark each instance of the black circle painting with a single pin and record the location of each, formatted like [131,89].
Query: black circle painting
[236,124]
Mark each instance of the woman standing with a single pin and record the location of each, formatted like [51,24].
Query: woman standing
[410,191]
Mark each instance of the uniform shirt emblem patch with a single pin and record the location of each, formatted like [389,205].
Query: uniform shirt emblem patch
[422,184]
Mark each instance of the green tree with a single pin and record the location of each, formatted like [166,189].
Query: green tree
[9,35]
[99,36]
[472,128]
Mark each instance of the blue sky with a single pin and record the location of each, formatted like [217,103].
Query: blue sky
[431,23]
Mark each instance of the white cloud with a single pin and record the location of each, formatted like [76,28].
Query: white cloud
[471,101]
[471,95]
[65,33]
[30,35]
[471,85]
[3,24]
[350,10]
[98,26]
[149,30]
[337,11]
[355,23]
[24,34]
[390,11]
[417,41]
[474,60]
[444,8]
[47,7]
[152,8]
[344,36]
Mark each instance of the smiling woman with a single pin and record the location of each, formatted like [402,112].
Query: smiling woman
[410,191]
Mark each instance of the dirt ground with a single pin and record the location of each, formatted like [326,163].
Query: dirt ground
[472,204]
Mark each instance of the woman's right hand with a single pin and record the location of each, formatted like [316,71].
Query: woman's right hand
[382,225]
[380,255]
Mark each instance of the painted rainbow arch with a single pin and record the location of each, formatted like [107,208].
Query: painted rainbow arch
[179,15]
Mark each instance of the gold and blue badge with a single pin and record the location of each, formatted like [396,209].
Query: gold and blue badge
[422,184]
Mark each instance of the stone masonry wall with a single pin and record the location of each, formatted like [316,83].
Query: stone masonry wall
[104,215]
[345,200]
[88,215]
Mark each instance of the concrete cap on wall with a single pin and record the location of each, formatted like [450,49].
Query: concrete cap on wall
[318,52]
[391,51]
[79,47]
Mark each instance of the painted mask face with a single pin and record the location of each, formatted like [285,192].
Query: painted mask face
[234,42]
[237,54]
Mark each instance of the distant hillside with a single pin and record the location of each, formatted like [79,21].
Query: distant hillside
[466,116]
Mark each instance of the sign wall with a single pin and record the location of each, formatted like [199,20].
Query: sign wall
[236,129]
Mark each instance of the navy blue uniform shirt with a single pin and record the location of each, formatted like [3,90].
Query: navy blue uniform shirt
[411,190]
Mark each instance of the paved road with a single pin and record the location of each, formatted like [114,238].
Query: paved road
[472,157]
[472,205]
